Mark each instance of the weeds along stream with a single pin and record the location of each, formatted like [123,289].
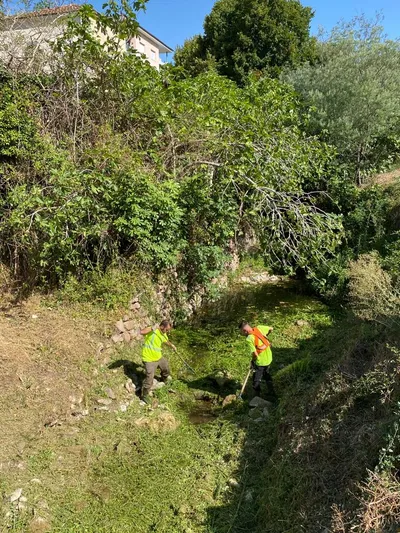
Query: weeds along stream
[188,464]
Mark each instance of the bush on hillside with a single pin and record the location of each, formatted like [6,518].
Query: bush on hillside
[391,261]
[371,292]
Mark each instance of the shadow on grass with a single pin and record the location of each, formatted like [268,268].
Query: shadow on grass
[280,487]
[215,330]
[208,384]
[306,461]
[243,507]
[131,370]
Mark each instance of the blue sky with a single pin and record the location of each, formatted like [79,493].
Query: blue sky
[173,21]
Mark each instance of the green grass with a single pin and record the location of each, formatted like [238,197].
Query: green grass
[231,475]
[179,481]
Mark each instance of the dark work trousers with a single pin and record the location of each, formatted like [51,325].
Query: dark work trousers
[151,368]
[260,373]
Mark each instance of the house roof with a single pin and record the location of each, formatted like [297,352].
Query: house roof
[60,10]
[164,48]
[70,8]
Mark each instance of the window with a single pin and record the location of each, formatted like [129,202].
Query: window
[153,55]
[141,48]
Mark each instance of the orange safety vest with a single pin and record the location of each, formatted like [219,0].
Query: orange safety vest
[261,342]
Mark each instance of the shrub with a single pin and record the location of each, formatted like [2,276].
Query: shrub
[330,279]
[365,222]
[371,293]
[19,136]
[81,221]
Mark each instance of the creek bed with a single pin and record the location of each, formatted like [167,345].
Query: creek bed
[202,413]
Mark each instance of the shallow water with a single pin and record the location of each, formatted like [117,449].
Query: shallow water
[201,413]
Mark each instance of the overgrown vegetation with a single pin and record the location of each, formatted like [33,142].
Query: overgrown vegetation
[146,167]
[109,168]
[92,142]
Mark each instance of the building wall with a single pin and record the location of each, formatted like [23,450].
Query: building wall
[25,41]
[148,47]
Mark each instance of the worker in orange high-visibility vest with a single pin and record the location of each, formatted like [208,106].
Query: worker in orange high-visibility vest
[261,353]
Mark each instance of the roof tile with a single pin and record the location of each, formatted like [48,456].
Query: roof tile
[60,10]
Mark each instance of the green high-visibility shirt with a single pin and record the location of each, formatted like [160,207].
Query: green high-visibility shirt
[153,342]
[265,357]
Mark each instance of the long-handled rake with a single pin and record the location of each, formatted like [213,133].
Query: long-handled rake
[245,383]
[187,364]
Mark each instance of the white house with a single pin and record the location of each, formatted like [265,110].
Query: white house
[146,43]
[26,37]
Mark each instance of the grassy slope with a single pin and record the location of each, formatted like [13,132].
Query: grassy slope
[111,472]
[332,428]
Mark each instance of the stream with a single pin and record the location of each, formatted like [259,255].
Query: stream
[191,464]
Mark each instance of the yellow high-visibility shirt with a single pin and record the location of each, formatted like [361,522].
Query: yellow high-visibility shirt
[153,342]
[265,357]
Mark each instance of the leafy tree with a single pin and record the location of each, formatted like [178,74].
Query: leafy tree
[251,35]
[116,23]
[193,56]
[250,161]
[354,93]
[136,170]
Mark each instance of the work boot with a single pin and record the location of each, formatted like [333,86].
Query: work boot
[146,393]
[146,399]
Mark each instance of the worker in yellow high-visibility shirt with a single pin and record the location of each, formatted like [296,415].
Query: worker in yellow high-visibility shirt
[152,356]
[261,353]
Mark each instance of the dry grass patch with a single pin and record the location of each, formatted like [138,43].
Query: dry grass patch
[380,503]
[371,292]
[385,179]
[49,362]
